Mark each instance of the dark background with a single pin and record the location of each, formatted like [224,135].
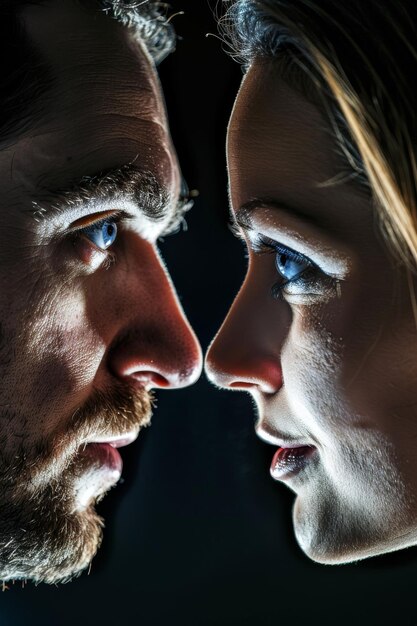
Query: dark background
[198,534]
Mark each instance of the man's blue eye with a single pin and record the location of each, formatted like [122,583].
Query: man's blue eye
[290,264]
[102,234]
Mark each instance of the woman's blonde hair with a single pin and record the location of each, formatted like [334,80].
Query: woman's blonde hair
[361,56]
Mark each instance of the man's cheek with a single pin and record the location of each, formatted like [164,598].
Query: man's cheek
[61,356]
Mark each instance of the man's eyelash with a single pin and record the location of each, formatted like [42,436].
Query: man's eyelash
[178,222]
[236,230]
[117,217]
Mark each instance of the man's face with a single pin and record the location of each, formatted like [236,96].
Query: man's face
[322,332]
[89,320]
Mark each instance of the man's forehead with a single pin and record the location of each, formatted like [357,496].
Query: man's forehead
[87,50]
[55,156]
[102,111]
[94,118]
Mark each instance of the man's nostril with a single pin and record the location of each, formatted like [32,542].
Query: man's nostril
[150,379]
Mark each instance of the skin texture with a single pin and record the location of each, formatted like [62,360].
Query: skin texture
[331,363]
[85,334]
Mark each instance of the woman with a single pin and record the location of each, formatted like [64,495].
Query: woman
[323,333]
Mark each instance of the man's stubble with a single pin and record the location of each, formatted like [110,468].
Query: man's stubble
[44,535]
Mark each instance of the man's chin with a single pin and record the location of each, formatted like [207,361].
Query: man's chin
[50,545]
[69,561]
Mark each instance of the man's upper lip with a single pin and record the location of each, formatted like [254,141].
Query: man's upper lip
[118,441]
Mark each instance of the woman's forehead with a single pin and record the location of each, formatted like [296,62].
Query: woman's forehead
[281,147]
[271,118]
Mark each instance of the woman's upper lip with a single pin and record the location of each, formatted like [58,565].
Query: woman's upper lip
[277,438]
[281,443]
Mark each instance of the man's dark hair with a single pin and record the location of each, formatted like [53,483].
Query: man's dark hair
[25,76]
[146,18]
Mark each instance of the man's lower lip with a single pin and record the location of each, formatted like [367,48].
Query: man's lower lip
[288,462]
[105,455]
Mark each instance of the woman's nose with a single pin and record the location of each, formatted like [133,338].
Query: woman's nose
[245,354]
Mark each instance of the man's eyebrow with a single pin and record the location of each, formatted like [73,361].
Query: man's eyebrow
[127,182]
[243,215]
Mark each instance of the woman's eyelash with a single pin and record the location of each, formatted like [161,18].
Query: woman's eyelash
[267,246]
[309,281]
[302,281]
[264,245]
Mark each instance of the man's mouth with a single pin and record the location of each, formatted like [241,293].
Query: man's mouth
[104,451]
[107,457]
[100,467]
[288,462]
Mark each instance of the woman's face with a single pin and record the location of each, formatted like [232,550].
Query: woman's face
[322,332]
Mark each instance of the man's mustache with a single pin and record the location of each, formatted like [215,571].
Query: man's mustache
[106,415]
[111,412]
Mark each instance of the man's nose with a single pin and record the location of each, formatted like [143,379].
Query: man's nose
[245,354]
[155,345]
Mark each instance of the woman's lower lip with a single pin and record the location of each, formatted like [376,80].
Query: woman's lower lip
[287,462]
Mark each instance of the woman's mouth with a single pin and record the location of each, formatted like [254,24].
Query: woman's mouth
[288,462]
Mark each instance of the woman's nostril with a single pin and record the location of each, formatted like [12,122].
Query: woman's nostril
[241,385]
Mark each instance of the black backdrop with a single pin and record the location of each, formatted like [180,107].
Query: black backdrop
[198,534]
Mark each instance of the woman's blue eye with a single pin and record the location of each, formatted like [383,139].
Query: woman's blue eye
[102,234]
[290,264]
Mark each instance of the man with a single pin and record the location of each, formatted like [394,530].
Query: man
[89,320]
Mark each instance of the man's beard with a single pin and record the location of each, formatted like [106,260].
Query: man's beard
[44,534]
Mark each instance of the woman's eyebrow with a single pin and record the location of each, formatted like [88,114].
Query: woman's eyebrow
[243,215]
[127,182]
